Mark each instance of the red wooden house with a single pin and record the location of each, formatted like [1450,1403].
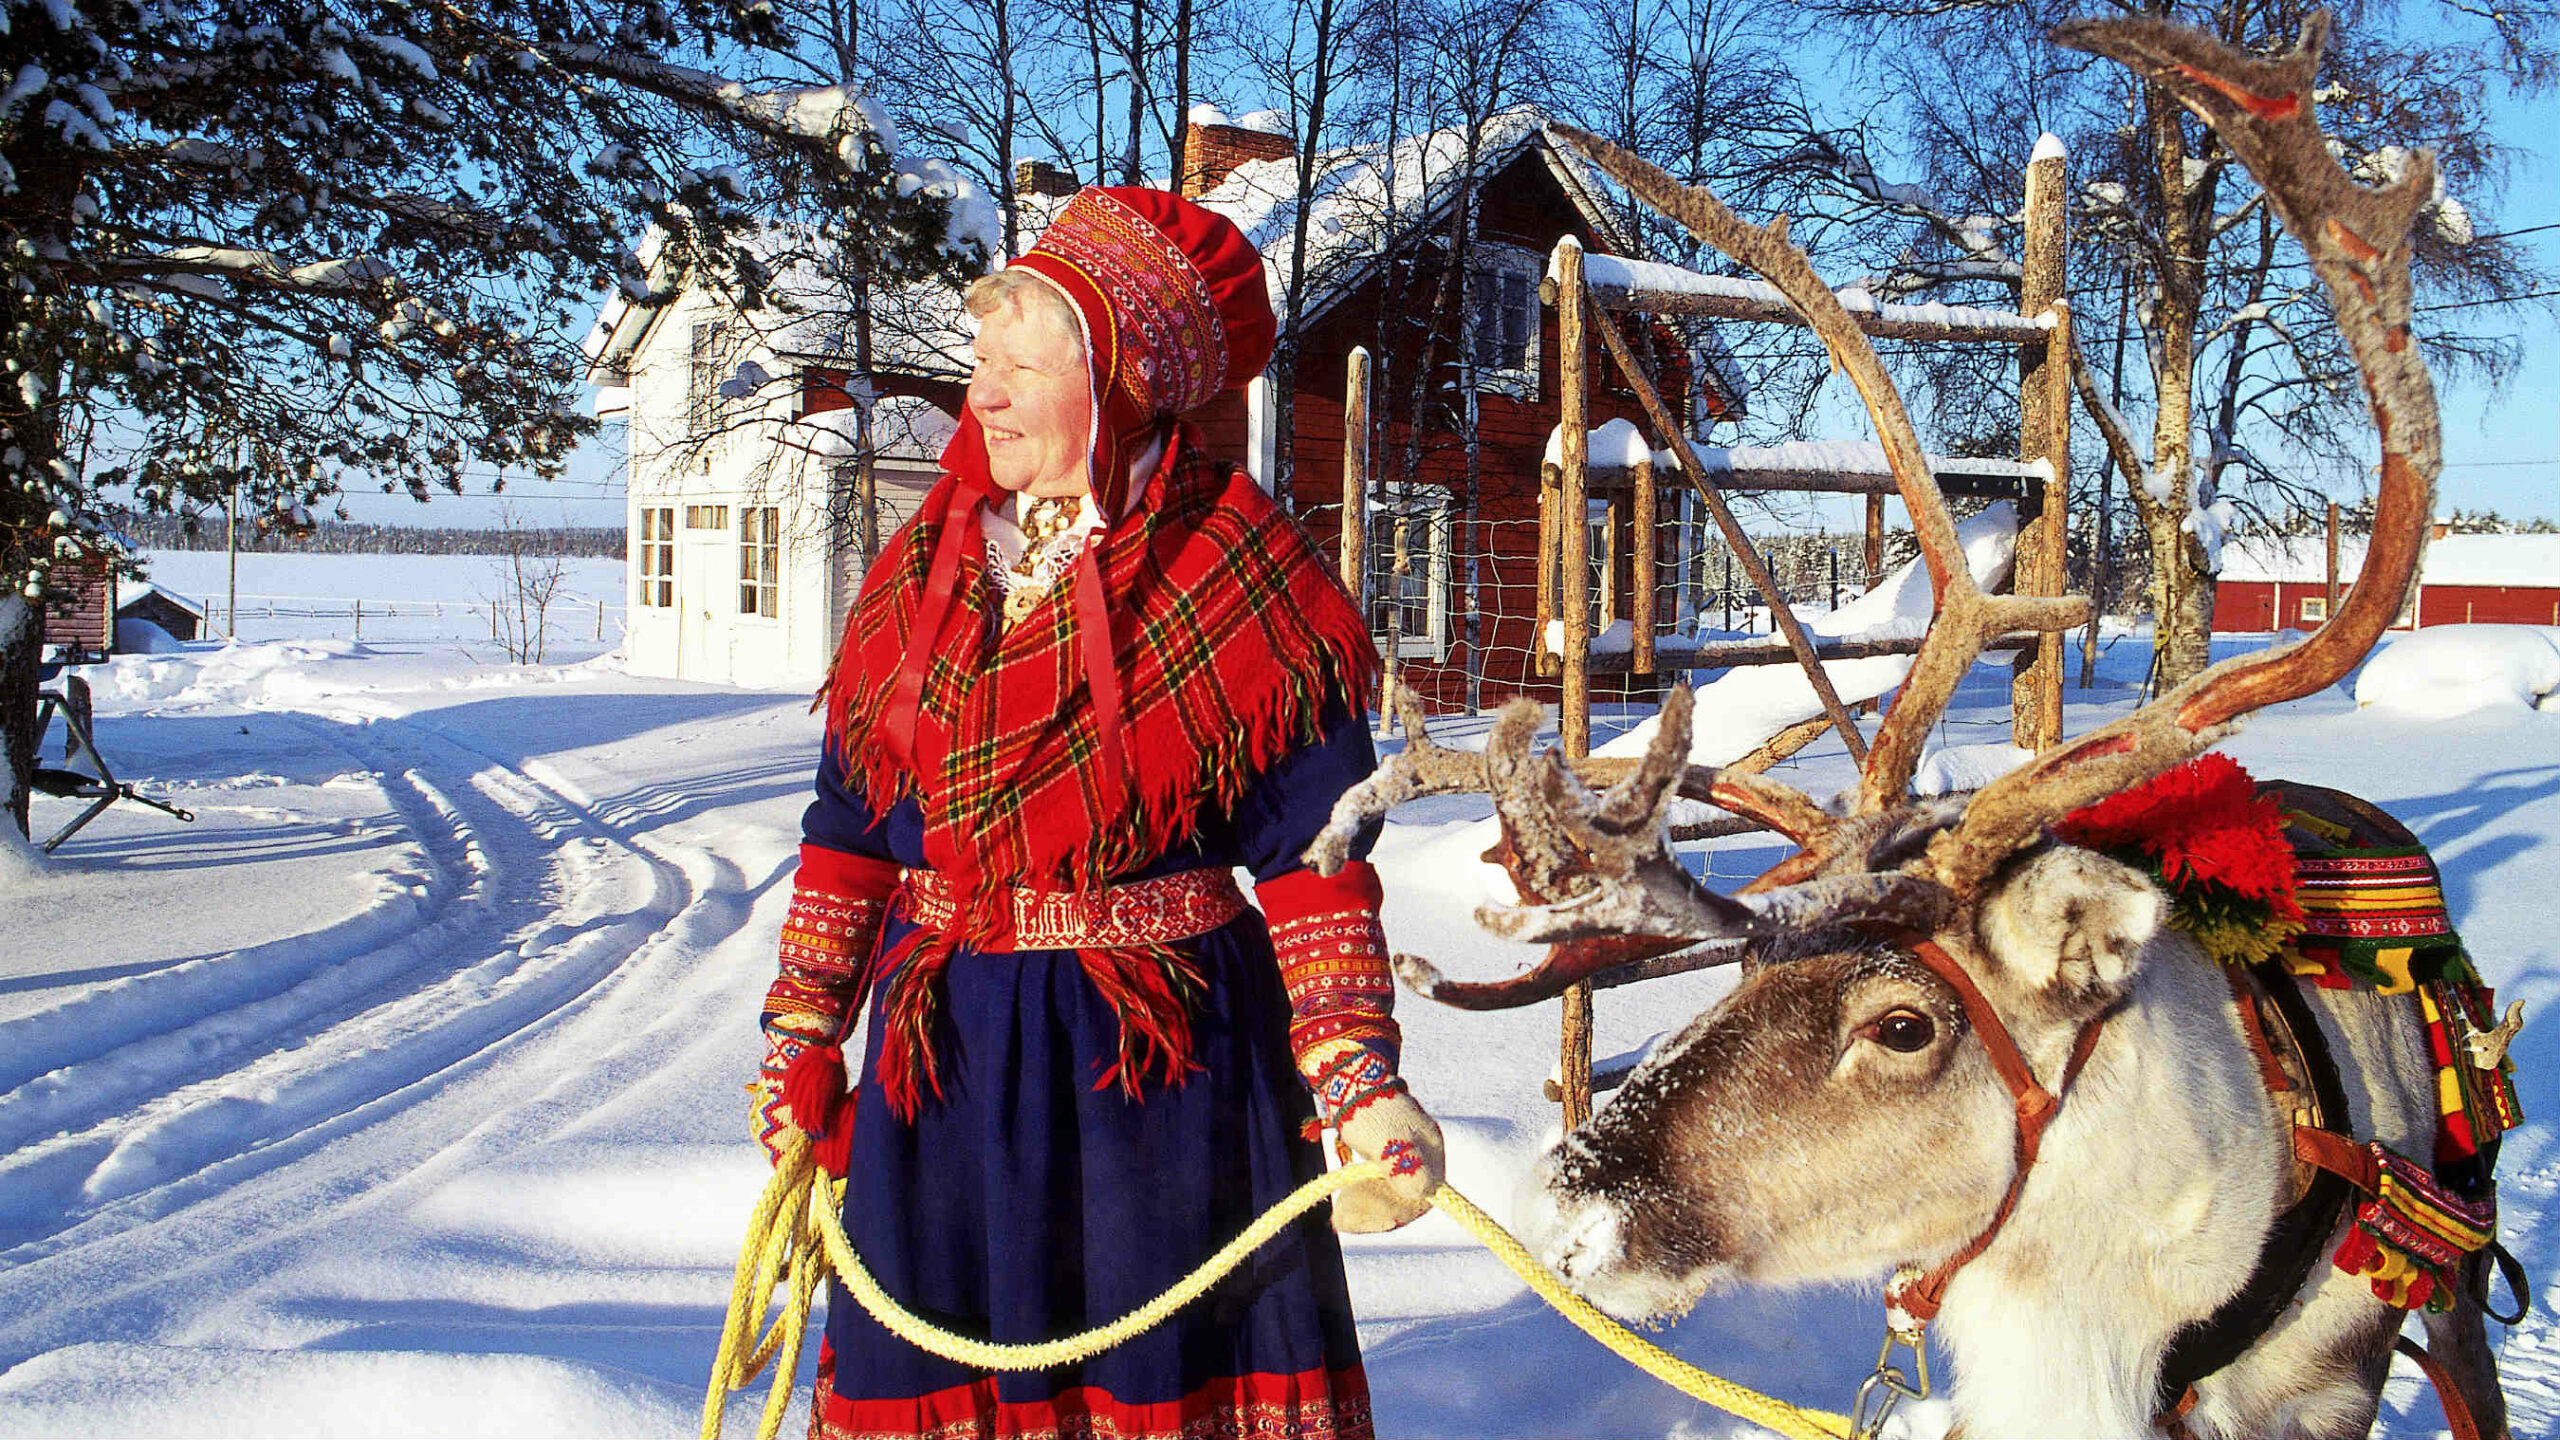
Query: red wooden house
[1381,235]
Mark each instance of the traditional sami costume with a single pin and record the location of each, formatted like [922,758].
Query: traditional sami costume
[1089,1060]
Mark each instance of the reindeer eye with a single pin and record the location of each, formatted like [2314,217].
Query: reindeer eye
[1901,1030]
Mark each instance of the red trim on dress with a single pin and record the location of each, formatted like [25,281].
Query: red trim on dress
[1316,1404]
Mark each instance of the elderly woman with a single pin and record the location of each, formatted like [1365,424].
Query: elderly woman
[1095,675]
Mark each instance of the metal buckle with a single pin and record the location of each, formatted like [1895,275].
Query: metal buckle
[1888,1387]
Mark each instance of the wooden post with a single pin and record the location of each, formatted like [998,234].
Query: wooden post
[2044,433]
[1355,481]
[1573,587]
[1573,608]
[1574,1063]
[1739,543]
[1641,614]
[359,617]
[1875,571]
[1400,559]
[1550,543]
[2333,565]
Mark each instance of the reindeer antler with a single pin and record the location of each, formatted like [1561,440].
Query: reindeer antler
[1596,872]
[1966,619]
[2359,244]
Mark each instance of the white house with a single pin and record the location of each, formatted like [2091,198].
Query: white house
[743,492]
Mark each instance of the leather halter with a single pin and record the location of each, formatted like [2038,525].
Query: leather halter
[1921,1297]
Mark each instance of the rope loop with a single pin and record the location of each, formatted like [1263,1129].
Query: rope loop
[795,1238]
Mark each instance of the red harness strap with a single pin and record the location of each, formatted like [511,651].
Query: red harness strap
[1922,1297]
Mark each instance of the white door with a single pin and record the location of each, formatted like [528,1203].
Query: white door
[708,591]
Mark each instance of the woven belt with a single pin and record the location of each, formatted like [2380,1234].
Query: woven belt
[1142,912]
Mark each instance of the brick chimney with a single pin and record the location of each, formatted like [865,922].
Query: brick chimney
[1210,152]
[1039,177]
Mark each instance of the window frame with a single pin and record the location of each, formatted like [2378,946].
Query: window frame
[2311,609]
[760,561]
[1493,260]
[1431,542]
[706,345]
[658,557]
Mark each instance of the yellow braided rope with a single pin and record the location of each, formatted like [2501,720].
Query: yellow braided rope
[795,1227]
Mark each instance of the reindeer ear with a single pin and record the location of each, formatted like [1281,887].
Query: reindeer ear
[2072,920]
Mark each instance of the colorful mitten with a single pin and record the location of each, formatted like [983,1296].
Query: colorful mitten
[1390,1127]
[1342,1031]
[837,906]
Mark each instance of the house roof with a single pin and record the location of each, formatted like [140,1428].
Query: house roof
[1364,199]
[2516,560]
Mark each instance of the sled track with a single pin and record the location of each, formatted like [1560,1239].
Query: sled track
[134,1148]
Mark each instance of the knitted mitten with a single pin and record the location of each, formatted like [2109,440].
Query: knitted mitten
[1390,1127]
[837,905]
[1333,962]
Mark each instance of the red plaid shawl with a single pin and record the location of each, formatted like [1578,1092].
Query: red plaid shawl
[1230,634]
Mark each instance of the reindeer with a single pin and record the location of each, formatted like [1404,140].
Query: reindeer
[1956,1045]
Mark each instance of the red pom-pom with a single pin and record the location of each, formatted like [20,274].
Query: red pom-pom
[814,1090]
[2203,821]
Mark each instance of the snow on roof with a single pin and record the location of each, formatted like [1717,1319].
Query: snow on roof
[903,427]
[2528,560]
[1365,197]
[2521,560]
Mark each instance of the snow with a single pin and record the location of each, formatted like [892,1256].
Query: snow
[2048,147]
[1617,638]
[1951,768]
[401,1093]
[1266,122]
[1617,445]
[1840,457]
[2448,670]
[1205,113]
[1612,272]
[137,636]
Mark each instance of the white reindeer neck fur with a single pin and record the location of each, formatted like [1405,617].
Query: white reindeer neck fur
[2157,1183]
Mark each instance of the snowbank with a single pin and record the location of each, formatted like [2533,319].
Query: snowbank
[1746,706]
[1953,768]
[137,636]
[2453,670]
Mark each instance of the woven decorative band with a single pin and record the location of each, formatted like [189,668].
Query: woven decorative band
[1142,912]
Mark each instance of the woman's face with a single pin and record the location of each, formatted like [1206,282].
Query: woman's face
[1033,400]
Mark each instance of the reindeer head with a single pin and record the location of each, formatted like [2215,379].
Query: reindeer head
[1758,1143]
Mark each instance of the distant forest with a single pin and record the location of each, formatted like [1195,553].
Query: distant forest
[341,537]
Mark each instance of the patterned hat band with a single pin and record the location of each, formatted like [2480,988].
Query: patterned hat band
[1154,329]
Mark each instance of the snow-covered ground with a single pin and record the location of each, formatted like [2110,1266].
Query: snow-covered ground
[401,1093]
[410,599]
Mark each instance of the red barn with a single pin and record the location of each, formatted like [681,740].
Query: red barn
[2282,583]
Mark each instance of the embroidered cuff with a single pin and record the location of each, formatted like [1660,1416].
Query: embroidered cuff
[1333,963]
[837,906]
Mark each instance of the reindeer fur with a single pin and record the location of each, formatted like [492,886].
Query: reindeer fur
[1769,1143]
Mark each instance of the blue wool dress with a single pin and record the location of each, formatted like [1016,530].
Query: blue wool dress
[1026,1205]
